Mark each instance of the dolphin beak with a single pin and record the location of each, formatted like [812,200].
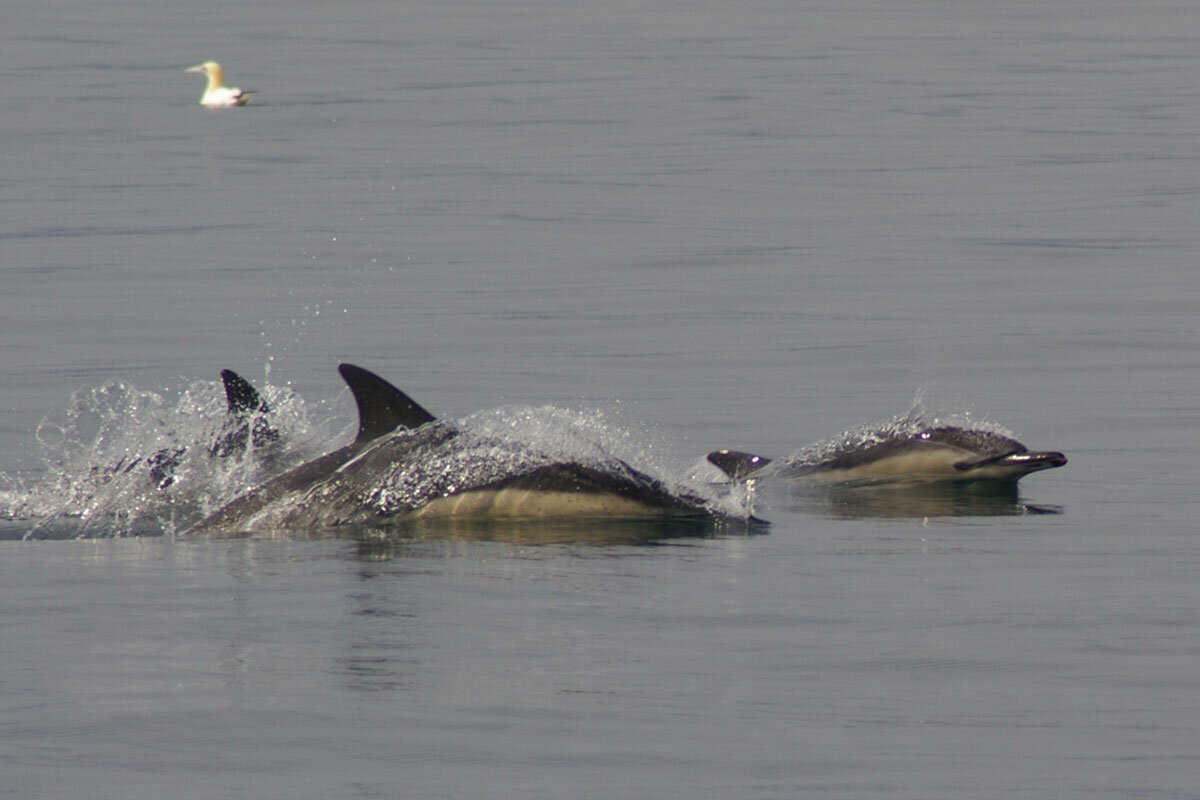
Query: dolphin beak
[1026,462]
[1030,462]
[1045,460]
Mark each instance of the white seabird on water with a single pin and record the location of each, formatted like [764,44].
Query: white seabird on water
[216,94]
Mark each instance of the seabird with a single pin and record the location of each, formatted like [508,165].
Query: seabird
[217,95]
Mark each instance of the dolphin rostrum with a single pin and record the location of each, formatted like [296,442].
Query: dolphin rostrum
[405,465]
[935,454]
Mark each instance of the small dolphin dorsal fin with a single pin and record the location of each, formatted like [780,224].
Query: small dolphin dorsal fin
[382,408]
[735,464]
[240,395]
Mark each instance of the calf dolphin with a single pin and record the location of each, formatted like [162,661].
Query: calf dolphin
[404,465]
[936,454]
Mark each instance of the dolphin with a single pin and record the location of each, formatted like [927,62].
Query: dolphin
[930,455]
[242,401]
[381,409]
[248,416]
[404,465]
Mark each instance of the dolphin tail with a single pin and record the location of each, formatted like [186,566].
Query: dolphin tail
[737,465]
[240,395]
[382,408]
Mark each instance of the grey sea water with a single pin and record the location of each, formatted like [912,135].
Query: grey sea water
[749,225]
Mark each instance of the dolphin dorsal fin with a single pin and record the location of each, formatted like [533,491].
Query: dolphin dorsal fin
[382,408]
[240,395]
[735,464]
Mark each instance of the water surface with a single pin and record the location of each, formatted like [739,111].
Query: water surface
[751,226]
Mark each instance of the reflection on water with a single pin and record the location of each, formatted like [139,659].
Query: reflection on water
[848,501]
[385,543]
[904,500]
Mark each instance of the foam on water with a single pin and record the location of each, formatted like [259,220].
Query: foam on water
[121,460]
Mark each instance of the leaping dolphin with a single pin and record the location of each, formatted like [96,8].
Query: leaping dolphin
[938,454]
[405,465]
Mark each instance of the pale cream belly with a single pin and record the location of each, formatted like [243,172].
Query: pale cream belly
[524,503]
[926,465]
